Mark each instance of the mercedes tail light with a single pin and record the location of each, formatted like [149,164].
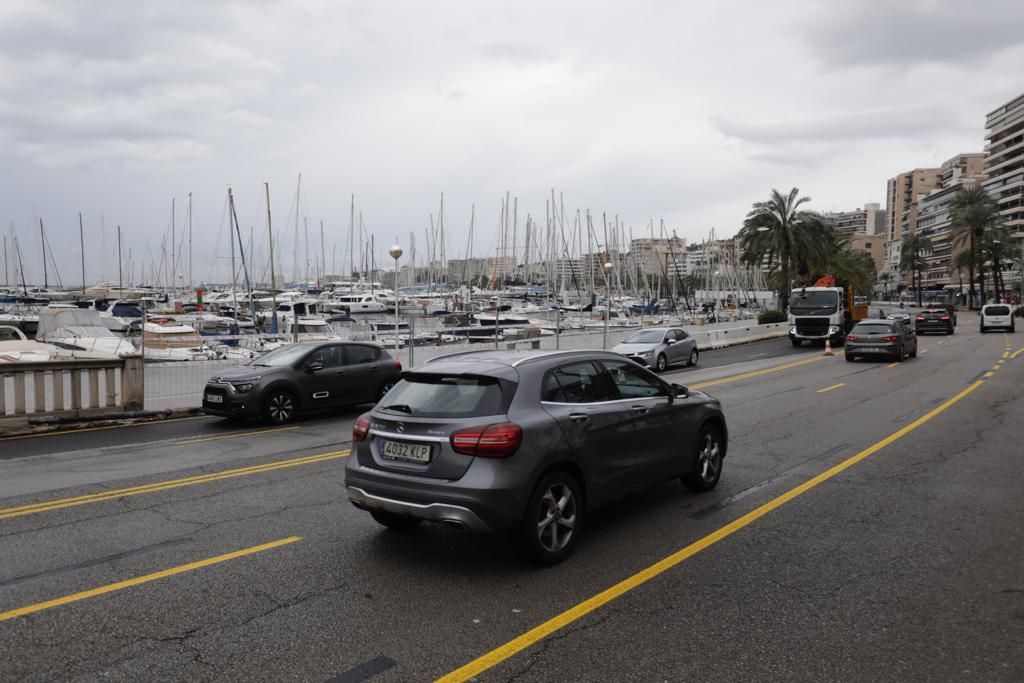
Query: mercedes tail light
[890,338]
[361,428]
[851,337]
[920,317]
[490,441]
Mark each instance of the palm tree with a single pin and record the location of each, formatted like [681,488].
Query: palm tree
[974,212]
[855,268]
[779,231]
[912,258]
[960,263]
[995,247]
[885,278]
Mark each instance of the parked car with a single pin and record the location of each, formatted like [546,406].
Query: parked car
[997,316]
[302,377]
[881,338]
[529,442]
[659,347]
[934,320]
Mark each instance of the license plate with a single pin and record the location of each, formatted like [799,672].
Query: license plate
[214,398]
[870,348]
[409,452]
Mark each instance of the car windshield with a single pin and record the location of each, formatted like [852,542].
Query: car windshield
[813,303]
[286,355]
[645,337]
[444,396]
[871,328]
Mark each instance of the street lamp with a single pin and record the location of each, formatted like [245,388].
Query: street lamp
[396,253]
[607,303]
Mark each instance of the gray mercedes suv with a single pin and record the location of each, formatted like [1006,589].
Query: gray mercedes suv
[528,442]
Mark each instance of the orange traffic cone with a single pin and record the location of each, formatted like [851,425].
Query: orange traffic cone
[828,348]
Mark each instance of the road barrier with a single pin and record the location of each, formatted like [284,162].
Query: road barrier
[731,336]
[72,388]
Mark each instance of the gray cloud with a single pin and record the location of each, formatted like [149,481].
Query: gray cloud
[844,126]
[882,32]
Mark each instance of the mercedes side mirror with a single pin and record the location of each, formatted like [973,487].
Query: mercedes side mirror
[314,367]
[680,391]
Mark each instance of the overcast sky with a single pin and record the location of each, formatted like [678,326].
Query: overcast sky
[687,111]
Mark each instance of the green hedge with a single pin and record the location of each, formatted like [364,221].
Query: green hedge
[773,316]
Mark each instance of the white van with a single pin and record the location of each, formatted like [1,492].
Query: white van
[996,316]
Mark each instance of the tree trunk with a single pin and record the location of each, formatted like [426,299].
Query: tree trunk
[970,274]
[784,285]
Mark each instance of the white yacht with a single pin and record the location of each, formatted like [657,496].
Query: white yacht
[80,329]
[171,341]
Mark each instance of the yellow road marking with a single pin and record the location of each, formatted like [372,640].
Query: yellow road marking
[892,365]
[1006,354]
[989,373]
[558,622]
[184,442]
[6,513]
[756,373]
[834,386]
[995,367]
[924,350]
[97,429]
[1016,353]
[120,585]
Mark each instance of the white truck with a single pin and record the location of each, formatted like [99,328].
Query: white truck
[821,313]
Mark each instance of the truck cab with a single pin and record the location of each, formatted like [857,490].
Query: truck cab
[818,314]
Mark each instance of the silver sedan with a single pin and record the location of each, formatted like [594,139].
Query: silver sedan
[659,347]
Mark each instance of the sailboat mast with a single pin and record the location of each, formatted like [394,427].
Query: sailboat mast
[323,258]
[351,238]
[273,278]
[7,275]
[174,249]
[231,241]
[42,239]
[120,281]
[191,284]
[81,243]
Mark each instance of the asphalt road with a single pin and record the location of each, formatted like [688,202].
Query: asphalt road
[868,526]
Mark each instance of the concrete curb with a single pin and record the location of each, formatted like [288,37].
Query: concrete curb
[44,424]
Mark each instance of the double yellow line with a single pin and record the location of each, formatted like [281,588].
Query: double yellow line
[7,513]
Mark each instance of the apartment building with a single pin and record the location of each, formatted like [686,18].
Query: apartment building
[935,221]
[1004,160]
[873,245]
[650,254]
[868,221]
[902,193]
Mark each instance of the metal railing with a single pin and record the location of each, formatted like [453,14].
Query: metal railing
[72,388]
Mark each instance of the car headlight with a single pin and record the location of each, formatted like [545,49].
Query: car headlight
[649,352]
[792,330]
[244,386]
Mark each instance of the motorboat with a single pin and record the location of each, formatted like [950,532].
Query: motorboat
[80,329]
[120,316]
[170,341]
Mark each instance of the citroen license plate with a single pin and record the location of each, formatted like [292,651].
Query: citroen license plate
[407,452]
[214,398]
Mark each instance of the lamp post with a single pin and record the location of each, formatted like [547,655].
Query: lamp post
[607,303]
[396,253]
